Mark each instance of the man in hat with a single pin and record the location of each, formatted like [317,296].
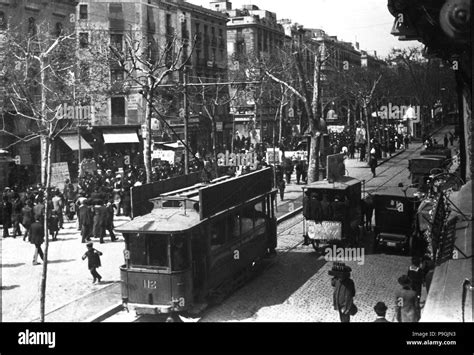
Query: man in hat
[344,292]
[415,273]
[381,310]
[406,302]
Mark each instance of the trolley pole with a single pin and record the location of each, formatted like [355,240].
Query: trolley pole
[185,104]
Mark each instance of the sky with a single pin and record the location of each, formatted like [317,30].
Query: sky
[367,21]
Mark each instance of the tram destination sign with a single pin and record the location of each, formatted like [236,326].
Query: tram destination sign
[229,193]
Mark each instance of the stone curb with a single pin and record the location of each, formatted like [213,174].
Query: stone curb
[106,313]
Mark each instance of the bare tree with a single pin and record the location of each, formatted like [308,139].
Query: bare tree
[310,95]
[37,85]
[149,65]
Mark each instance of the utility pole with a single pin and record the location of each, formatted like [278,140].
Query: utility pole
[186,119]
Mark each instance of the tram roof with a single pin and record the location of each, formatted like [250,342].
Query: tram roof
[163,220]
[342,184]
[396,192]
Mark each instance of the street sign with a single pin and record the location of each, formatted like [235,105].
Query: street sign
[59,174]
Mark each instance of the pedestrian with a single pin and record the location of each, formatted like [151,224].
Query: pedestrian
[299,171]
[6,215]
[37,238]
[17,206]
[288,170]
[99,220]
[344,291]
[381,310]
[281,188]
[373,162]
[93,261]
[27,217]
[406,302]
[85,219]
[58,206]
[53,225]
[415,274]
[351,150]
[38,210]
[362,152]
[406,141]
[109,223]
[445,140]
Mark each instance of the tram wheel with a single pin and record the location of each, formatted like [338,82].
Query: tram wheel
[315,244]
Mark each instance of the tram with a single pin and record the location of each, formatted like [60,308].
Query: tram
[331,211]
[198,243]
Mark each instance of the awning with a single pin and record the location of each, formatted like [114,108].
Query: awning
[120,136]
[73,143]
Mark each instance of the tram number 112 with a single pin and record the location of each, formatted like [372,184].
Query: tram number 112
[151,284]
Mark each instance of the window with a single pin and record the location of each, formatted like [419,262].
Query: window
[83,12]
[217,233]
[179,253]
[148,250]
[118,110]
[3,21]
[83,39]
[158,250]
[116,40]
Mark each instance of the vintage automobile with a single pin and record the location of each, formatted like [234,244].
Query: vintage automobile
[395,213]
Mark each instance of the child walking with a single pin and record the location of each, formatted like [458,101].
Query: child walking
[93,257]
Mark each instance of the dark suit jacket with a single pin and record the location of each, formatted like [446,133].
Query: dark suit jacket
[381,320]
[85,215]
[344,292]
[36,233]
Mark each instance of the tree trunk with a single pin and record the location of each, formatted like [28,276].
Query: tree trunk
[147,142]
[214,144]
[47,172]
[367,124]
[43,147]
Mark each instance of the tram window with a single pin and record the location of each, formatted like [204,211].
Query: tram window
[137,247]
[158,250]
[179,253]
[233,226]
[217,233]
[172,204]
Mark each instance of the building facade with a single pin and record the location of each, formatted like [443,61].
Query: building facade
[251,33]
[25,18]
[200,36]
